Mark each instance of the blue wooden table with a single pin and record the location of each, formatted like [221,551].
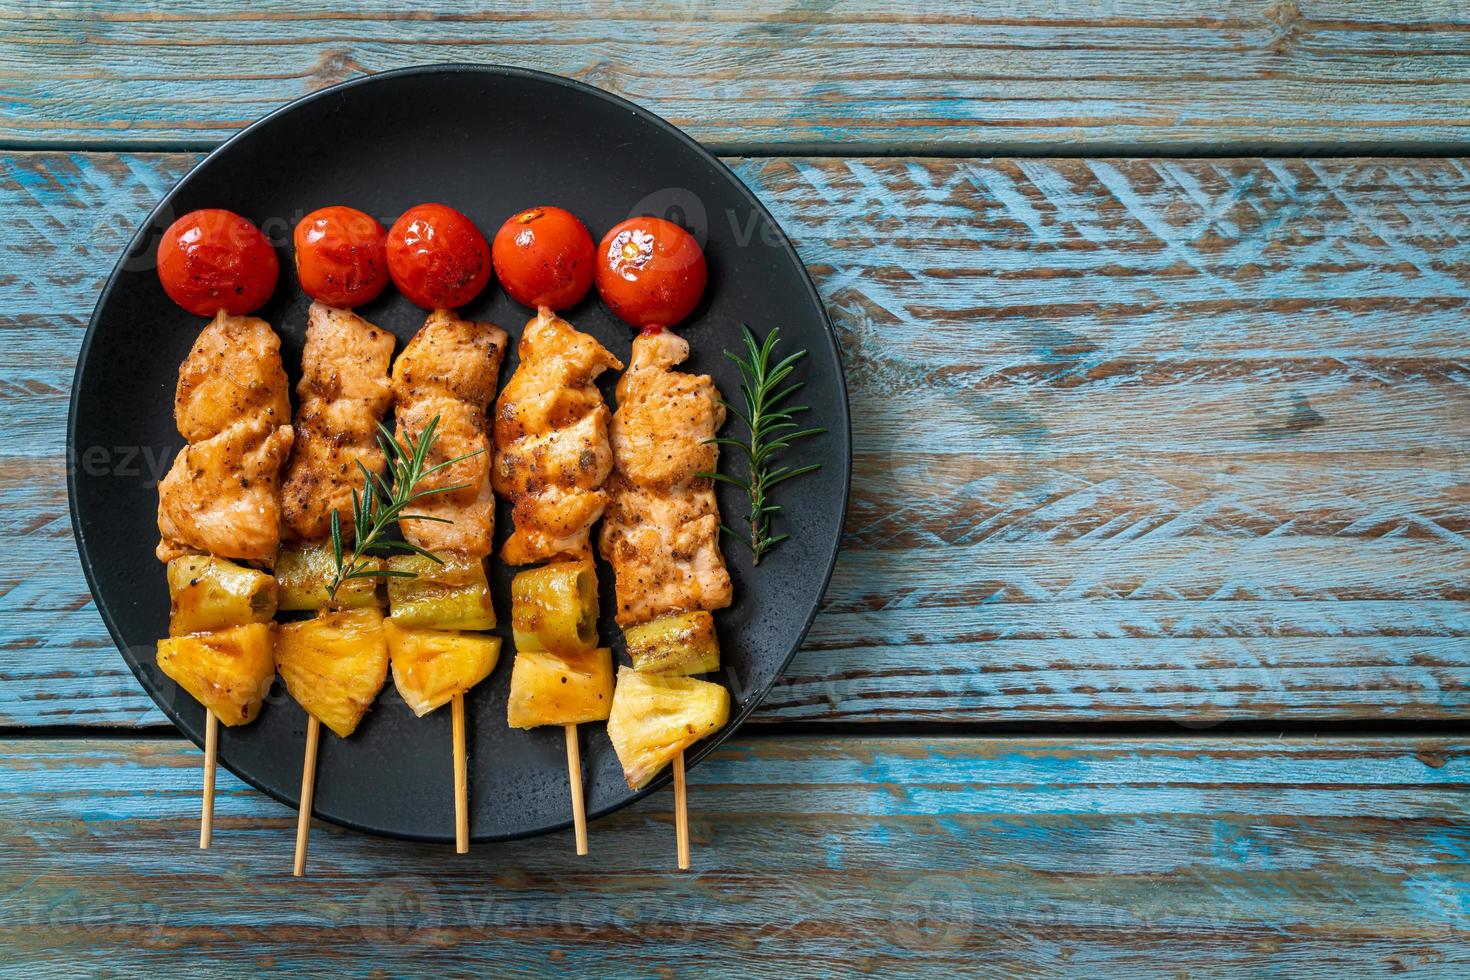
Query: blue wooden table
[1148,651]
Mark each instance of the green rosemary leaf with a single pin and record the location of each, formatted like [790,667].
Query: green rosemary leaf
[450,462]
[422,552]
[785,364]
[374,480]
[799,471]
[732,410]
[789,438]
[735,443]
[424,441]
[779,398]
[744,539]
[430,493]
[336,538]
[726,479]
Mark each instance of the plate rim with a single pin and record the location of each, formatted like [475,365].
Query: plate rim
[842,426]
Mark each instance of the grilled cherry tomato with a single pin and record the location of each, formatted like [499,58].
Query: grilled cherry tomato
[341,256]
[214,260]
[437,257]
[650,272]
[543,257]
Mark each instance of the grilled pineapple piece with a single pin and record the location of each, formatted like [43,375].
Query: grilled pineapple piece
[657,716]
[451,596]
[228,671]
[432,666]
[682,644]
[560,689]
[208,593]
[555,607]
[334,665]
[304,572]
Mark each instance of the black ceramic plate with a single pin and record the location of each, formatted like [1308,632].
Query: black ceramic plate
[488,141]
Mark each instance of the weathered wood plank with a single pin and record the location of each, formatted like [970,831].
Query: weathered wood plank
[970,77]
[1134,440]
[813,857]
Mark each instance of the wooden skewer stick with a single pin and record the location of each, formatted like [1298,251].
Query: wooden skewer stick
[681,812]
[308,784]
[211,751]
[461,780]
[574,777]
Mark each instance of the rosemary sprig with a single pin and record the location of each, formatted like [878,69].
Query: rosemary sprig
[381,503]
[772,424]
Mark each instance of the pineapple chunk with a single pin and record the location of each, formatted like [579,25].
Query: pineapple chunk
[560,689]
[432,666]
[451,596]
[212,594]
[555,608]
[682,644]
[228,671]
[334,665]
[657,716]
[304,573]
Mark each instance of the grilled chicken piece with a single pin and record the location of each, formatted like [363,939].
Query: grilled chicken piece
[661,531]
[222,494]
[344,392]
[449,370]
[551,442]
[234,372]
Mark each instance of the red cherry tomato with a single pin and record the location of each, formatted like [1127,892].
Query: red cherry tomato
[341,256]
[214,260]
[650,272]
[437,257]
[543,257]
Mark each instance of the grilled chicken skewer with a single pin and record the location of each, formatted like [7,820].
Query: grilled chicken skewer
[220,500]
[661,535]
[447,372]
[333,665]
[552,458]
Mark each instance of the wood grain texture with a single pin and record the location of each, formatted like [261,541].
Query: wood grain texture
[812,858]
[855,75]
[1135,440]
